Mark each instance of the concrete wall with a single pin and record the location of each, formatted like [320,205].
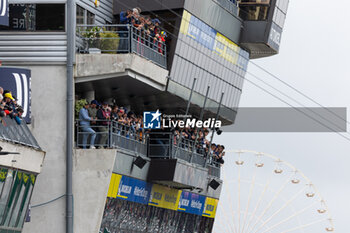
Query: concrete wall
[49,128]
[90,65]
[124,165]
[92,170]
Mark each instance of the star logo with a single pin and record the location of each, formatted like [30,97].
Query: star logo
[156,115]
[151,120]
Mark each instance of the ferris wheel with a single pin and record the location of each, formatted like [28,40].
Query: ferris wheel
[263,194]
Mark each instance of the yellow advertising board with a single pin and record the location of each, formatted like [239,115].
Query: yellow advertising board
[114,185]
[210,207]
[213,40]
[164,197]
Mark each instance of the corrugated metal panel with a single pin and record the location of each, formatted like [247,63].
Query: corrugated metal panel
[103,13]
[33,47]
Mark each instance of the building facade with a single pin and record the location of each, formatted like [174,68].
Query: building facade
[208,40]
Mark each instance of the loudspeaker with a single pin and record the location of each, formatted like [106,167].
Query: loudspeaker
[140,162]
[214,184]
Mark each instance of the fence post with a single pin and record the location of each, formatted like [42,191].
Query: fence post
[110,134]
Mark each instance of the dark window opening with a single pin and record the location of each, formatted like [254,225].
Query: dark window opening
[36,17]
[254,9]
[50,17]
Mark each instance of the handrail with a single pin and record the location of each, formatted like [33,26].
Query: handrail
[11,131]
[112,134]
[120,38]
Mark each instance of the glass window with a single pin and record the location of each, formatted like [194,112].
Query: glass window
[279,17]
[254,12]
[50,17]
[90,18]
[283,5]
[84,16]
[36,17]
[80,15]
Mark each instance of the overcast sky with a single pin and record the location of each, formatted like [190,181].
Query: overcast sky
[314,57]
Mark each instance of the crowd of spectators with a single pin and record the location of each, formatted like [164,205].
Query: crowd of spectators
[9,106]
[97,121]
[147,30]
[196,139]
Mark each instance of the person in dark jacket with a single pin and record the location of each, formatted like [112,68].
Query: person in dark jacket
[124,18]
[104,116]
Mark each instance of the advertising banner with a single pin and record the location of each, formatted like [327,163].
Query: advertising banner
[210,207]
[18,81]
[127,188]
[114,185]
[134,190]
[164,197]
[4,12]
[191,203]
[275,36]
[211,39]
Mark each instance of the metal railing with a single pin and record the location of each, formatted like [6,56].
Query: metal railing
[167,145]
[120,38]
[13,132]
[110,134]
[164,145]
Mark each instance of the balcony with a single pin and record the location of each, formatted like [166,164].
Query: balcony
[119,39]
[159,146]
[13,132]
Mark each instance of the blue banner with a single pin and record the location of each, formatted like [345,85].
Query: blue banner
[134,190]
[4,12]
[202,33]
[205,35]
[191,203]
[18,81]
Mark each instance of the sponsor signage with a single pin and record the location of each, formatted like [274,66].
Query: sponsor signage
[127,188]
[210,207]
[191,203]
[4,12]
[275,37]
[131,189]
[194,28]
[18,81]
[164,197]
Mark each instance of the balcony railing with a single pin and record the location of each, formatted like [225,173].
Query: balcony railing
[120,38]
[13,132]
[111,134]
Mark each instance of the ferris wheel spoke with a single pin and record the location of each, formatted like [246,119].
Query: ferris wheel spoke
[271,202]
[282,208]
[254,202]
[233,227]
[304,226]
[252,186]
[290,217]
[258,203]
[239,198]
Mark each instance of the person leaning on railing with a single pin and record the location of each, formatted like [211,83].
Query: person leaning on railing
[84,121]
[104,115]
[124,18]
